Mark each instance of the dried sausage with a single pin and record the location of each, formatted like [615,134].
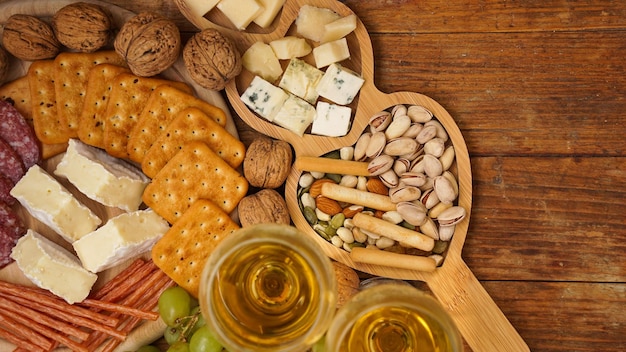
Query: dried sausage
[18,134]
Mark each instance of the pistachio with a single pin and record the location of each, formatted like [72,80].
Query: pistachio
[361,146]
[380,121]
[427,133]
[393,217]
[432,166]
[376,145]
[429,228]
[399,110]
[413,130]
[358,235]
[384,242]
[401,165]
[453,182]
[380,165]
[346,153]
[389,178]
[451,216]
[413,179]
[419,113]
[403,193]
[441,131]
[444,189]
[398,126]
[435,147]
[345,235]
[429,198]
[400,146]
[447,158]
[446,232]
[412,212]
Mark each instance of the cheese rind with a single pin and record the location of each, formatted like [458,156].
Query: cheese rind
[122,237]
[331,120]
[331,52]
[240,12]
[339,84]
[295,115]
[52,267]
[264,98]
[301,80]
[101,177]
[52,204]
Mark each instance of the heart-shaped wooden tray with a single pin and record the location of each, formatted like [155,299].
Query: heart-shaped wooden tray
[481,322]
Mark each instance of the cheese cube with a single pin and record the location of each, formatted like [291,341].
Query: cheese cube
[264,98]
[311,21]
[271,8]
[289,47]
[331,120]
[339,84]
[339,28]
[301,79]
[101,177]
[295,115]
[122,237]
[52,267]
[261,60]
[52,204]
[240,12]
[201,7]
[331,52]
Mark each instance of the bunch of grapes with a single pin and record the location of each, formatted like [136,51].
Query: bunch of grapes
[186,329]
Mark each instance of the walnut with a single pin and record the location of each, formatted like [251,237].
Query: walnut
[83,26]
[29,38]
[150,43]
[267,162]
[211,59]
[265,206]
[4,64]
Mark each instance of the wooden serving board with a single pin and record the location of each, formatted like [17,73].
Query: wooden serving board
[481,322]
[148,331]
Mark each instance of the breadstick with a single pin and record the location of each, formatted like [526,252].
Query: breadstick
[391,259]
[331,166]
[395,232]
[358,197]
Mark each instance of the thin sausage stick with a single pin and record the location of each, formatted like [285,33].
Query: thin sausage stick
[17,323]
[119,278]
[18,341]
[127,285]
[331,166]
[43,319]
[119,308]
[393,260]
[358,197]
[395,232]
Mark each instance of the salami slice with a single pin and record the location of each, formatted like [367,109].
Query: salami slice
[5,190]
[11,229]
[11,165]
[16,131]
[7,242]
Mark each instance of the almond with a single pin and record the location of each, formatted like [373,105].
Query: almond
[327,205]
[316,186]
[350,211]
[375,185]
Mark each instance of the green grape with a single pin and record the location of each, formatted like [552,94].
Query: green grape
[148,348]
[204,341]
[179,346]
[171,334]
[199,323]
[174,303]
[320,345]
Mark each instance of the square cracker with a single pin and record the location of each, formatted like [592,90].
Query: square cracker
[159,112]
[71,72]
[128,96]
[92,118]
[189,125]
[194,172]
[182,252]
[17,92]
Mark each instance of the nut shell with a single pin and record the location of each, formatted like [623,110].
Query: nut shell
[83,26]
[150,43]
[265,206]
[267,162]
[211,59]
[29,38]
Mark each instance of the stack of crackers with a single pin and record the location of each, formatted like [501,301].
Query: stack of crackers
[177,139]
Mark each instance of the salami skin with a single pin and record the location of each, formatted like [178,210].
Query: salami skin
[11,164]
[11,229]
[5,190]
[18,134]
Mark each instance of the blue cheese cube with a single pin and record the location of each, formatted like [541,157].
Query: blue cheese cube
[331,120]
[264,98]
[295,115]
[301,79]
[339,84]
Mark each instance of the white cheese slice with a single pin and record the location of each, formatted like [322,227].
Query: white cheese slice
[311,21]
[295,115]
[240,12]
[122,237]
[52,204]
[264,98]
[289,47]
[331,52]
[52,267]
[201,7]
[339,84]
[261,60]
[271,8]
[101,177]
[301,79]
[331,120]
[339,28]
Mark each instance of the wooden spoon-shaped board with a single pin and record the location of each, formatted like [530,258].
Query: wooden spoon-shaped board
[481,322]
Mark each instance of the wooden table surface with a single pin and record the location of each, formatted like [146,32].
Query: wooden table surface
[538,91]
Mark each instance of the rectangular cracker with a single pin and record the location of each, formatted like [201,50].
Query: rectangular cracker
[126,101]
[71,72]
[92,118]
[17,92]
[189,125]
[159,112]
[194,172]
[45,118]
[182,252]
